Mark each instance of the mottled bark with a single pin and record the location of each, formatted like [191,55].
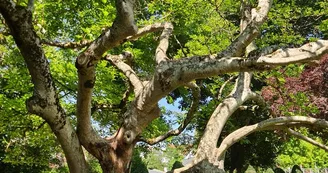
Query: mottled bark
[44,101]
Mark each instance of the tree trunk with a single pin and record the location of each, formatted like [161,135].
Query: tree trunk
[116,156]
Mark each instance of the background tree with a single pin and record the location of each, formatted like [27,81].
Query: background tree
[50,39]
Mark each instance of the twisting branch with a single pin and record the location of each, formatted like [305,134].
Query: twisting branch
[270,124]
[193,108]
[117,61]
[305,138]
[163,43]
[68,45]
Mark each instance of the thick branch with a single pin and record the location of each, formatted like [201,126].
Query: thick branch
[307,139]
[171,74]
[270,124]
[187,69]
[163,43]
[193,108]
[219,117]
[123,26]
[117,60]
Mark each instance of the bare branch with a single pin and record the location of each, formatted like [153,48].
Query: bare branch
[307,139]
[193,108]
[269,124]
[68,45]
[198,67]
[306,53]
[126,69]
[163,44]
[147,29]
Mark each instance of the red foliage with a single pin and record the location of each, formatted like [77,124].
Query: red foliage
[313,81]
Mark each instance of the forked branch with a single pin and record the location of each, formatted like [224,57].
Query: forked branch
[190,115]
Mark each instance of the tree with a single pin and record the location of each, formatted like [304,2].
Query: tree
[154,77]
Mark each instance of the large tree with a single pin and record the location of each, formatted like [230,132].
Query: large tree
[147,82]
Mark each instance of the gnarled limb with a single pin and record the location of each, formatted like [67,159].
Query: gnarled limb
[193,108]
[173,73]
[197,67]
[224,110]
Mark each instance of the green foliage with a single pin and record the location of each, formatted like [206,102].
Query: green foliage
[138,166]
[298,152]
[160,159]
[26,142]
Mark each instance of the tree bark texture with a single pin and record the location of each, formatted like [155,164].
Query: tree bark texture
[114,153]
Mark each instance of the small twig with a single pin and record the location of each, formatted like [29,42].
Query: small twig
[224,84]
[181,47]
